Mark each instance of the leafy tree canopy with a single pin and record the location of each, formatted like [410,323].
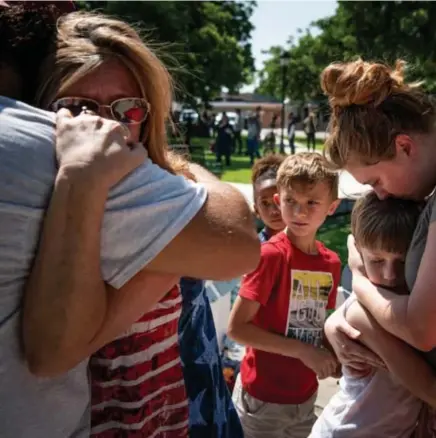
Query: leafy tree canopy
[373,30]
[206,45]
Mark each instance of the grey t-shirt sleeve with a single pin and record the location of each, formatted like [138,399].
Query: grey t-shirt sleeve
[143,214]
[419,240]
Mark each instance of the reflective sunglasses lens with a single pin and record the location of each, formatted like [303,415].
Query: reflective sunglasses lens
[130,110]
[76,105]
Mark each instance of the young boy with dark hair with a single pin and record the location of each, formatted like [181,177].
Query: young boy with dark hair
[280,312]
[387,402]
[264,180]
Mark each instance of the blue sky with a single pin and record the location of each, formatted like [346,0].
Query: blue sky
[275,21]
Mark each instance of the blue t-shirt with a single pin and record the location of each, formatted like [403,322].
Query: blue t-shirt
[263,236]
[211,410]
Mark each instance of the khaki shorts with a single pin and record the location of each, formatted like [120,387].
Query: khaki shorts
[270,420]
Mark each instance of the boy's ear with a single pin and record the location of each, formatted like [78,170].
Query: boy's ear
[276,199]
[333,206]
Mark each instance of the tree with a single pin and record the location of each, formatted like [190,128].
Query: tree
[206,45]
[382,31]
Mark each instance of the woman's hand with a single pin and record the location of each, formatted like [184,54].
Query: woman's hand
[343,338]
[355,261]
[95,148]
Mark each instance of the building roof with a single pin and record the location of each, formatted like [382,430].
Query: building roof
[246,97]
[244,105]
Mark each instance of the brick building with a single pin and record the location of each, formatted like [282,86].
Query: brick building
[247,103]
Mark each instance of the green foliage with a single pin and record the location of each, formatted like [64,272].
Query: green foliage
[206,45]
[383,31]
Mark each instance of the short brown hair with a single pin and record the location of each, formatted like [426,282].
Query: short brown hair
[370,105]
[385,225]
[266,167]
[307,168]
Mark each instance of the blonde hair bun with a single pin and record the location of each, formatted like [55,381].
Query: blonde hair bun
[361,83]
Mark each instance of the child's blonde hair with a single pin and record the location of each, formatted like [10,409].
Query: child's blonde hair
[384,225]
[307,169]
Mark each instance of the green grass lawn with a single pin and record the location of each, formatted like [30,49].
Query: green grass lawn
[319,144]
[240,168]
[334,235]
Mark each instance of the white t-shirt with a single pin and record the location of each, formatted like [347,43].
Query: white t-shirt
[144,213]
[371,407]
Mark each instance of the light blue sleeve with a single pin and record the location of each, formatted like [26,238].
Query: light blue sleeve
[143,214]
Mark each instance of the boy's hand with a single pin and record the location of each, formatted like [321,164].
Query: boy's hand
[320,360]
[343,338]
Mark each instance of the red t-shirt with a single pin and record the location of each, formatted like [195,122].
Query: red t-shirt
[295,290]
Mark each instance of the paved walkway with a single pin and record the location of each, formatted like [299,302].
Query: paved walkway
[298,134]
[327,388]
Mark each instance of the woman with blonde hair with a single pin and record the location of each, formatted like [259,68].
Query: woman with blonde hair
[87,42]
[101,66]
[383,133]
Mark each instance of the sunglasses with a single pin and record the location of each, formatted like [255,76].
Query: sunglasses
[127,110]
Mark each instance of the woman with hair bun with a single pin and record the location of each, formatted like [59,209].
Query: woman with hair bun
[383,133]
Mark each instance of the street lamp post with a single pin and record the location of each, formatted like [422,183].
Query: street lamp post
[284,61]
[206,95]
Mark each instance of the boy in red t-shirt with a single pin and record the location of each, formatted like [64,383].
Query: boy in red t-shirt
[280,312]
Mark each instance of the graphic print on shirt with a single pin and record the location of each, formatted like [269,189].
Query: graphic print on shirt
[308,300]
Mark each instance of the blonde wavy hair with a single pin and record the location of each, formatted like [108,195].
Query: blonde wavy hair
[84,42]
[370,105]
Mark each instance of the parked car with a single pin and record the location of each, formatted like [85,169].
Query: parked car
[186,114]
[232,116]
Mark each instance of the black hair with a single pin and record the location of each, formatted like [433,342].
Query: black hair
[266,168]
[28,35]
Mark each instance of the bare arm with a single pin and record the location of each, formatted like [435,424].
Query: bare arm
[410,318]
[242,329]
[59,331]
[69,312]
[389,309]
[400,359]
[45,286]
[220,243]
[344,338]
[66,286]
